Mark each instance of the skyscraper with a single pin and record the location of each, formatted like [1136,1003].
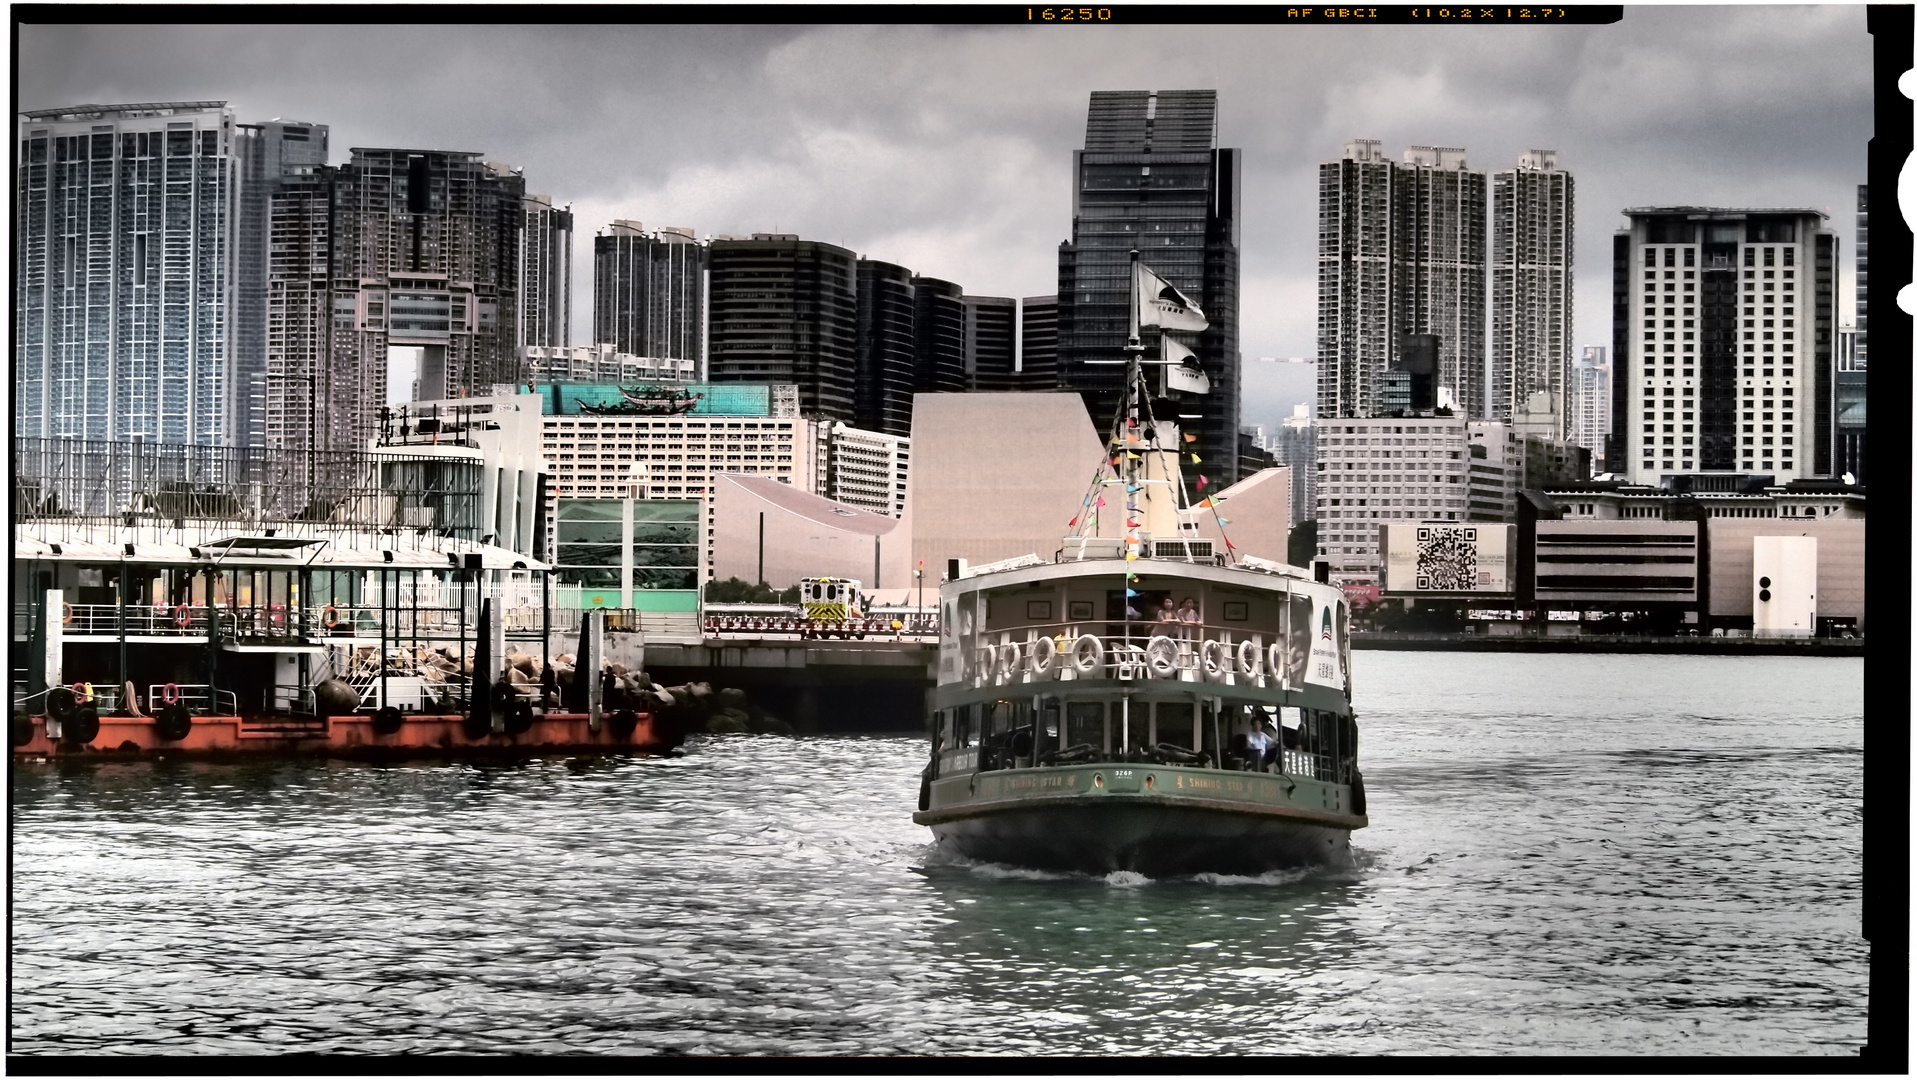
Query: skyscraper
[422,252]
[1721,344]
[648,291]
[125,272]
[1038,342]
[1401,251]
[268,153]
[1152,177]
[1591,401]
[1853,367]
[886,345]
[938,325]
[1531,249]
[991,343]
[785,310]
[545,273]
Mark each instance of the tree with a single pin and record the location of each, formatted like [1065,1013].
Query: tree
[1302,545]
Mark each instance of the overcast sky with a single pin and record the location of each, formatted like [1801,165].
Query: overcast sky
[948,149]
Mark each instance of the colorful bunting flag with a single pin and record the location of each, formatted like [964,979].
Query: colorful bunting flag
[1131,592]
[1204,504]
[1224,521]
[1189,437]
[1101,500]
[1201,482]
[1072,522]
[1195,459]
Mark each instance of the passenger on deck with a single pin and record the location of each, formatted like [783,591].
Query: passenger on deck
[1167,612]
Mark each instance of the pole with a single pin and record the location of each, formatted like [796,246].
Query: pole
[761,580]
[120,595]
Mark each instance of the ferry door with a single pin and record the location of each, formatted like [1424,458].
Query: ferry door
[1085,723]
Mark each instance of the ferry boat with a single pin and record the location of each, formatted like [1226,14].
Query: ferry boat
[1143,701]
[221,617]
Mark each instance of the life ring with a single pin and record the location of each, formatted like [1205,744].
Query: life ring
[1044,653]
[1161,657]
[170,693]
[82,692]
[66,612]
[1251,658]
[329,616]
[987,660]
[1217,658]
[1009,655]
[1088,654]
[182,615]
[1277,653]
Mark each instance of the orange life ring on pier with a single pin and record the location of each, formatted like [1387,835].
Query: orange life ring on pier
[66,612]
[329,617]
[183,615]
[170,693]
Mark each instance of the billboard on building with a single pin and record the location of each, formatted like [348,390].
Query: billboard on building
[1447,558]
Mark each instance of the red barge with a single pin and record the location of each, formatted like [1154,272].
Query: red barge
[347,606]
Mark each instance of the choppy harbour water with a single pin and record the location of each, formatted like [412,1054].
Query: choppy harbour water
[1570,854]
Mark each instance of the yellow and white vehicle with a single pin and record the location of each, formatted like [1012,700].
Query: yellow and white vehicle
[825,598]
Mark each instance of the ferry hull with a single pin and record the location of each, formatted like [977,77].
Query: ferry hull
[420,735]
[1149,838]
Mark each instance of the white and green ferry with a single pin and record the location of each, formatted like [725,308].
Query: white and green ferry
[1143,701]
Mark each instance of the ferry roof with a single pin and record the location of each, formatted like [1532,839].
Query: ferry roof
[322,552]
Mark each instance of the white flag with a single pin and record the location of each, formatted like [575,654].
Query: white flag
[1161,304]
[1182,371]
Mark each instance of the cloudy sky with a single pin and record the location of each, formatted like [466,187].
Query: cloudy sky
[948,149]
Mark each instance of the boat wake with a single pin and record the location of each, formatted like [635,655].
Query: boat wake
[937,857]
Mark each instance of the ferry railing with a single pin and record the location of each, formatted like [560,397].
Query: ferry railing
[142,620]
[197,697]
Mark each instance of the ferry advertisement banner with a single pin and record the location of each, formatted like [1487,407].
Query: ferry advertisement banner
[1447,559]
[1327,630]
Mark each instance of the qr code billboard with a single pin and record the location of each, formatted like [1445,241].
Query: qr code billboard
[1447,559]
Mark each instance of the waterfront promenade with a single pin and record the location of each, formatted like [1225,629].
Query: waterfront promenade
[1701,645]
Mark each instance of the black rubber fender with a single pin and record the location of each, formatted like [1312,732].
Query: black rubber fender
[476,728]
[519,717]
[20,731]
[388,720]
[1357,791]
[623,723]
[173,722]
[83,727]
[61,703]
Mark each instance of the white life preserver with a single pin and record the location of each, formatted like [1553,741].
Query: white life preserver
[1044,652]
[1277,653]
[1008,658]
[1161,657]
[1088,654]
[1251,659]
[987,661]
[1216,657]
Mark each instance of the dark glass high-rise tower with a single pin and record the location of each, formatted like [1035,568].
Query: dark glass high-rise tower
[1151,177]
